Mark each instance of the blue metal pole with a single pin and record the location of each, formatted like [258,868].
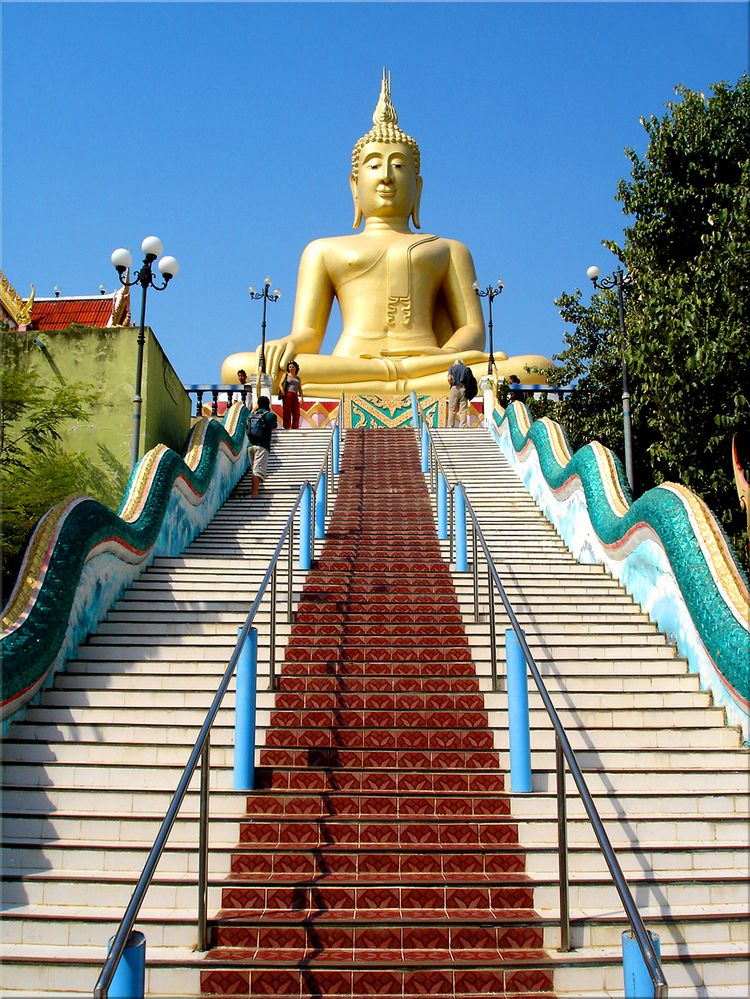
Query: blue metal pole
[336,440]
[638,984]
[304,560]
[425,449]
[129,979]
[320,508]
[442,507]
[244,714]
[414,411]
[459,527]
[518,715]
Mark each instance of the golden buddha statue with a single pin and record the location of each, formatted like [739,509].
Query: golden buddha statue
[407,300]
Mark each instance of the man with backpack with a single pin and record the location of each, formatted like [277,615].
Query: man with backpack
[260,426]
[463,388]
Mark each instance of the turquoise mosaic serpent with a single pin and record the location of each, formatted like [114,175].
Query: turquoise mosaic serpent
[669,517]
[168,500]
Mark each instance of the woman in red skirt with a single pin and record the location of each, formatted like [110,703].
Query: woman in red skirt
[290,395]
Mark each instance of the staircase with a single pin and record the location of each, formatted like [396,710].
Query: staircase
[380,857]
[383,853]
[669,779]
[89,773]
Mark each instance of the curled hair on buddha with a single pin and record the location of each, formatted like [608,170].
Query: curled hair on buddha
[385,128]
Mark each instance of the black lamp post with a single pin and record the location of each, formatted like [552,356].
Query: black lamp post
[490,292]
[620,280]
[168,266]
[267,297]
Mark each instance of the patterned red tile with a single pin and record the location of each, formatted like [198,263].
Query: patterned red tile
[498,863]
[327,983]
[421,863]
[428,936]
[381,982]
[460,863]
[237,936]
[478,981]
[428,982]
[228,983]
[293,863]
[528,980]
[473,938]
[283,937]
[517,937]
[498,832]
[468,897]
[378,897]
[274,983]
[377,937]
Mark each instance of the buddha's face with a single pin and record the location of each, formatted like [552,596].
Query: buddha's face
[387,185]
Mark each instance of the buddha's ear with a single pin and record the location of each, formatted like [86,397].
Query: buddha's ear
[417,199]
[357,210]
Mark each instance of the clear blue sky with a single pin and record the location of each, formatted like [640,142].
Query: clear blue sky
[226,129]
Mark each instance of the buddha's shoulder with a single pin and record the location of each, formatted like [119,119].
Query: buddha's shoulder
[317,249]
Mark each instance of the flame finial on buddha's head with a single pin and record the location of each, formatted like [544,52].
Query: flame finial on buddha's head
[385,128]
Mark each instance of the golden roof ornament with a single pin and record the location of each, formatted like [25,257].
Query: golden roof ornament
[385,127]
[14,305]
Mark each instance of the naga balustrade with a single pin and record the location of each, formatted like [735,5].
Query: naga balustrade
[564,752]
[313,496]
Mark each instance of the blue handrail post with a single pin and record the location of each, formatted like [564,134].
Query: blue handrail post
[336,444]
[129,979]
[459,527]
[518,715]
[638,984]
[304,560]
[414,411]
[320,507]
[244,713]
[442,507]
[425,449]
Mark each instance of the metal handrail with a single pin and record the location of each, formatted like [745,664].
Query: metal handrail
[565,751]
[201,750]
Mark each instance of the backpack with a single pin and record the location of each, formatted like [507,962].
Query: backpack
[470,384]
[255,426]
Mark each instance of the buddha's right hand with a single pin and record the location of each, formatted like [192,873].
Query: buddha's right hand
[278,354]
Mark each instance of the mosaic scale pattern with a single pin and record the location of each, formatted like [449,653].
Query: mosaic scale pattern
[666,547]
[82,554]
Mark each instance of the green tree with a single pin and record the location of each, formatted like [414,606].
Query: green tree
[687,253]
[36,471]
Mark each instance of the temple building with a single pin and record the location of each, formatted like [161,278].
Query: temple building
[61,311]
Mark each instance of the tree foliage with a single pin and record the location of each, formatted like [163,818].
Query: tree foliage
[687,254]
[37,472]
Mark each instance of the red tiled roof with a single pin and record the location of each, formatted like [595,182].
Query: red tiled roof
[58,313]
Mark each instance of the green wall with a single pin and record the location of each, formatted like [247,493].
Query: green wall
[106,358]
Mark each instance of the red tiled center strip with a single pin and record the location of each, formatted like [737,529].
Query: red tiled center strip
[378,856]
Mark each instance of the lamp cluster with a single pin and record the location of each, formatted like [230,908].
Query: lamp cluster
[151,247]
[490,293]
[267,297]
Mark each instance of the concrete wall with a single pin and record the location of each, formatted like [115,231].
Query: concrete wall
[106,359]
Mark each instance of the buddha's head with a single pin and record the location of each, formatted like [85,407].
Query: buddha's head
[385,179]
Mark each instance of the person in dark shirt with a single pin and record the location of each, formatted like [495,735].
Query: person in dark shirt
[260,427]
[516,393]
